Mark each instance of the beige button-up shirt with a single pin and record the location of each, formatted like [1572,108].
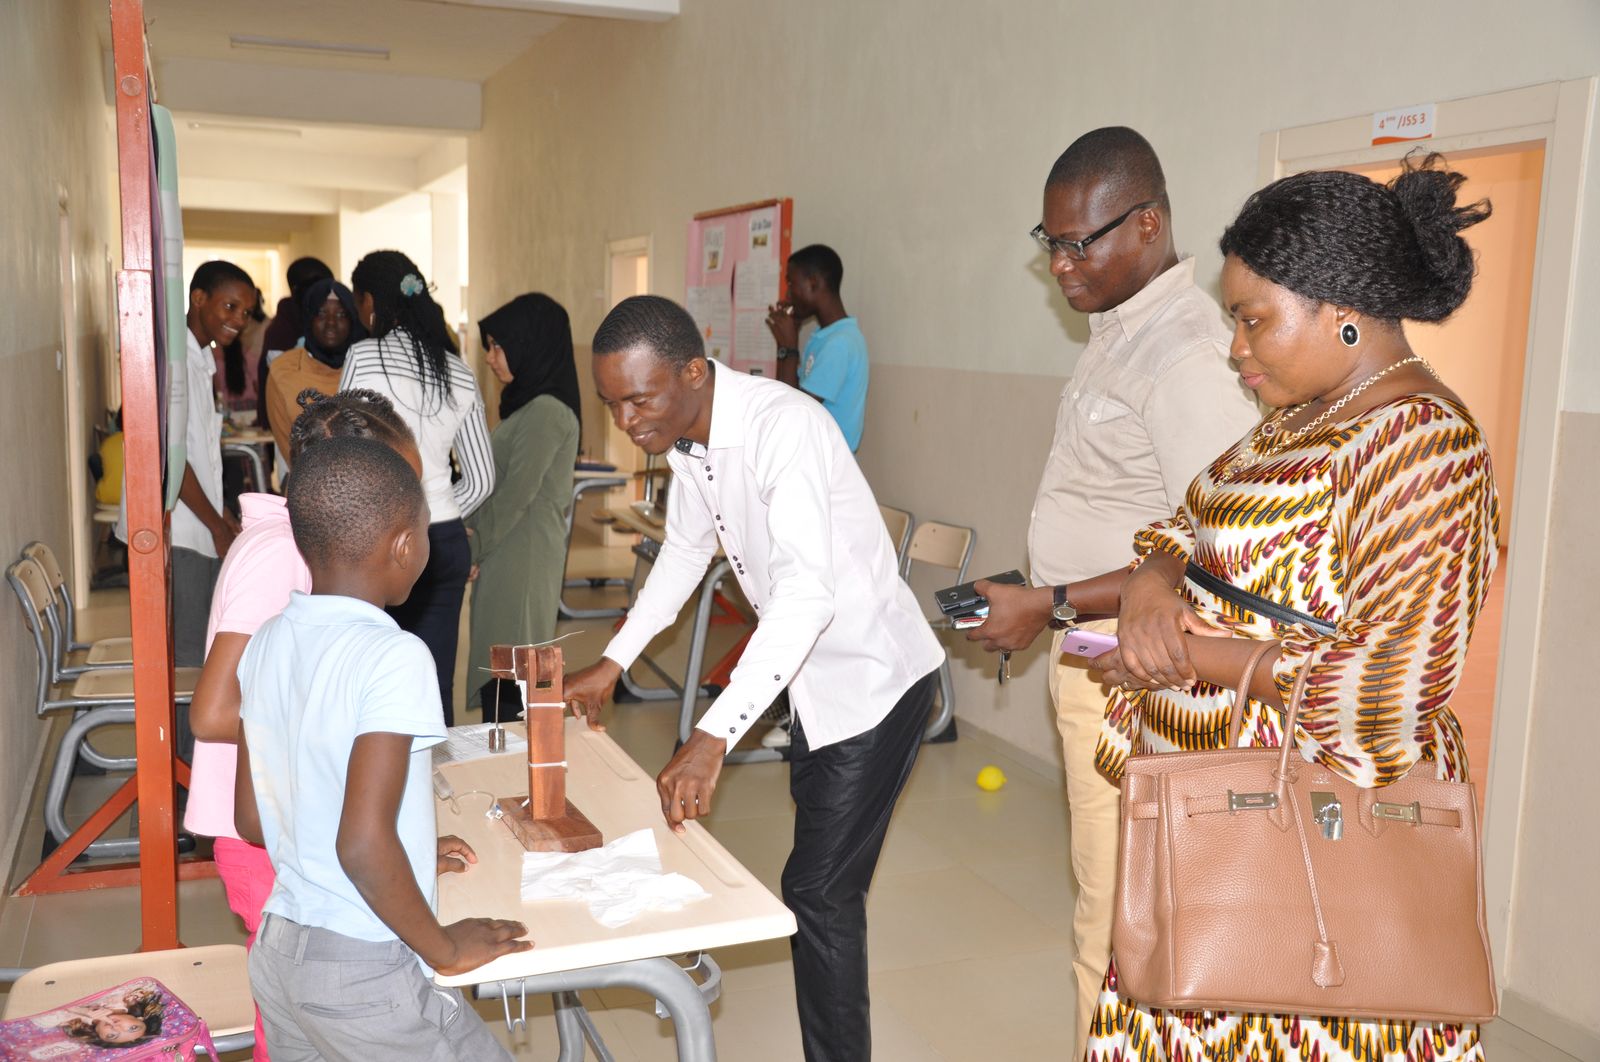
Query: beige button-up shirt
[1153,400]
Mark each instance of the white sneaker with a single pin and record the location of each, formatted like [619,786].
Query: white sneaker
[776,738]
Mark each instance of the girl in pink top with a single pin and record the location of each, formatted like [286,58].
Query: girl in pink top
[260,571]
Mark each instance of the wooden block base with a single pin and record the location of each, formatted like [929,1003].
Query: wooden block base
[572,832]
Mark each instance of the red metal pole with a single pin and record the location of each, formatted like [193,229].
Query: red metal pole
[148,555]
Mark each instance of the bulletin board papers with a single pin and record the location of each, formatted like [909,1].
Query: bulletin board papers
[712,310]
[734,272]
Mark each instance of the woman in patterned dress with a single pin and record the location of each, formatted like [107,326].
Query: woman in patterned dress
[1366,500]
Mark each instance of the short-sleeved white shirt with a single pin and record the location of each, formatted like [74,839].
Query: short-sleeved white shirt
[315,677]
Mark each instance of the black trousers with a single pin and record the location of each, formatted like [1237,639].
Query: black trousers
[844,794]
[433,611]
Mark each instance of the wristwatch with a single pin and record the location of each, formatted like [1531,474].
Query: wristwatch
[1062,614]
[788,352]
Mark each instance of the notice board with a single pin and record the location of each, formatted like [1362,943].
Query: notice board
[735,271]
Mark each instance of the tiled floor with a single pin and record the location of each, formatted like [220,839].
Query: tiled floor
[970,915]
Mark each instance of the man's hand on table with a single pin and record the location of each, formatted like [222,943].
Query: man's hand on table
[455,855]
[587,691]
[1016,615]
[475,941]
[686,783]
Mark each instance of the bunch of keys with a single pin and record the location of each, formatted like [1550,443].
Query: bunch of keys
[1003,672]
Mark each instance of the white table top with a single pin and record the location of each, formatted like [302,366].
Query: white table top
[618,796]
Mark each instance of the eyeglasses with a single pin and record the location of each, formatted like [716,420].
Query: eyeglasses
[1078,250]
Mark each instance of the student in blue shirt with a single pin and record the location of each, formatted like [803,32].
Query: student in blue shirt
[339,710]
[833,366]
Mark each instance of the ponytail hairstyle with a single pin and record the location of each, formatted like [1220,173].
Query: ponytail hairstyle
[403,305]
[356,413]
[1391,252]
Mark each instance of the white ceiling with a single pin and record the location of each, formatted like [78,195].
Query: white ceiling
[424,38]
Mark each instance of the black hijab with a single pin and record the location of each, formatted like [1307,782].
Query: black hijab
[316,295]
[534,332]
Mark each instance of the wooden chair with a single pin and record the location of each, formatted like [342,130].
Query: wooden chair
[948,546]
[98,699]
[103,653]
[899,522]
[212,981]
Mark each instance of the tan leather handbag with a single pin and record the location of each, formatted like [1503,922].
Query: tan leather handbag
[1250,880]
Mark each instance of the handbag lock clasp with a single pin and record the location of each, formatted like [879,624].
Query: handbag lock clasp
[1251,801]
[1328,814]
[1411,812]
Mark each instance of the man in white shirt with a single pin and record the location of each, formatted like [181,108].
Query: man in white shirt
[221,296]
[1151,401]
[762,471]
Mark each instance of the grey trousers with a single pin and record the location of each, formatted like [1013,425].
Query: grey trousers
[194,577]
[324,995]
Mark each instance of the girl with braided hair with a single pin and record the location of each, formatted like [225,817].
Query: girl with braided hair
[261,570]
[412,360]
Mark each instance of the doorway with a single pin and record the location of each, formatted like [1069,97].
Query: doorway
[1552,119]
[627,274]
[1480,352]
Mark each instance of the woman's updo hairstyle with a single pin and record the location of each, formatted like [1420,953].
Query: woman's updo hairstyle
[1387,251]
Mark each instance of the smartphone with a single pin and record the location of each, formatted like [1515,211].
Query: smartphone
[957,601]
[1087,644]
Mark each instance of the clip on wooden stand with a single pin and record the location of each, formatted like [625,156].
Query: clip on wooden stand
[547,821]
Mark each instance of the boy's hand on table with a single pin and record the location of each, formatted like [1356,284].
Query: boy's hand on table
[686,783]
[476,941]
[588,690]
[455,855]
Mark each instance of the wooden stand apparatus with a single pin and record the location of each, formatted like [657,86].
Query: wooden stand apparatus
[547,821]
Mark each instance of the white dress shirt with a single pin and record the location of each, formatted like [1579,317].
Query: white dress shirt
[192,401]
[778,489]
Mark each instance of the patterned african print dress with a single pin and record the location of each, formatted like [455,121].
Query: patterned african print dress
[1385,527]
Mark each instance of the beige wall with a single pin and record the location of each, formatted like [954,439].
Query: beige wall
[56,130]
[914,138]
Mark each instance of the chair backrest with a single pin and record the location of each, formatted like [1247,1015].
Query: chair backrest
[943,546]
[33,590]
[58,587]
[898,521]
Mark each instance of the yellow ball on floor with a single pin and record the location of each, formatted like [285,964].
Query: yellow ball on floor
[991,778]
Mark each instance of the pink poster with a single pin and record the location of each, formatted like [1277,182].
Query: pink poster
[733,274]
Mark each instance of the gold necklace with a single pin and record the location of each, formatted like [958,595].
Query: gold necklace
[1249,456]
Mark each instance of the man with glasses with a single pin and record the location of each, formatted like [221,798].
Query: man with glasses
[1152,399]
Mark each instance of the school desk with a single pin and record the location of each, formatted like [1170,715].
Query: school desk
[572,951]
[583,481]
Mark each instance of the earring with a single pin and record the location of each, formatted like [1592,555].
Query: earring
[1349,334]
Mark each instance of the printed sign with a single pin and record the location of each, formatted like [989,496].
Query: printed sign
[1403,123]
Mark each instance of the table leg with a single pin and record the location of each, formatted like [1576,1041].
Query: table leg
[660,977]
[562,608]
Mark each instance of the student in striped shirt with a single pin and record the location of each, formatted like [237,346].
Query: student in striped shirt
[412,360]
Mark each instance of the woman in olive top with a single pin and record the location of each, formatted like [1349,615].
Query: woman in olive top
[519,539]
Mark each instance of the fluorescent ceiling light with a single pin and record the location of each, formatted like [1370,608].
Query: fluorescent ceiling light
[284,44]
[241,127]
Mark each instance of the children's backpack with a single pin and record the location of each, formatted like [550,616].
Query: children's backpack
[135,1021]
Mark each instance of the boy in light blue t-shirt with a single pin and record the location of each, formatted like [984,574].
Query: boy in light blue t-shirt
[833,367]
[339,710]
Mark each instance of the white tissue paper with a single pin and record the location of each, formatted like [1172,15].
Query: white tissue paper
[618,881]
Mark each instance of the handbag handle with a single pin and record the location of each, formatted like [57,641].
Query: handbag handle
[1241,695]
[1291,717]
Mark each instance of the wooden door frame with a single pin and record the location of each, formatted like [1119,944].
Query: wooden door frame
[1558,114]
